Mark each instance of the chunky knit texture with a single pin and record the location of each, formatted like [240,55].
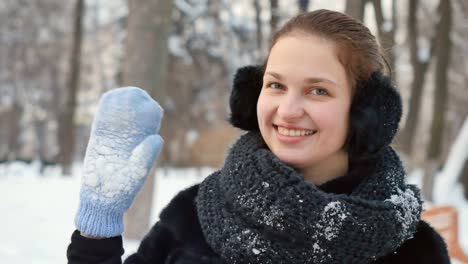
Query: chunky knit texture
[257,209]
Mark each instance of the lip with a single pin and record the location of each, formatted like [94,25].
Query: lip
[291,127]
[289,139]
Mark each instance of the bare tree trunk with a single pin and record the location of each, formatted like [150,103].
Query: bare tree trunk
[146,55]
[420,66]
[67,116]
[440,97]
[274,20]
[441,80]
[258,22]
[41,137]
[13,124]
[464,179]
[145,66]
[356,8]
[13,116]
[430,169]
[386,29]
[303,5]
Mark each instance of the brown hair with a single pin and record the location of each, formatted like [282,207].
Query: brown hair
[358,50]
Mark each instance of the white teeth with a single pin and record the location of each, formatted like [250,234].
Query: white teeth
[295,132]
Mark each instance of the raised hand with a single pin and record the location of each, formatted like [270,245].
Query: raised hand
[122,148]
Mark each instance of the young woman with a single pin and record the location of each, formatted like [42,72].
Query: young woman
[313,180]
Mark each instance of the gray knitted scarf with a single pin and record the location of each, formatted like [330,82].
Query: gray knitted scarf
[257,209]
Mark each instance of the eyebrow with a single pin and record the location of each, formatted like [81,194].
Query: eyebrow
[307,80]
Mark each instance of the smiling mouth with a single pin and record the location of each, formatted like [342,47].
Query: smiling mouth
[294,132]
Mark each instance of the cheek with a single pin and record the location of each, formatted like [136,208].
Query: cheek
[263,109]
[333,119]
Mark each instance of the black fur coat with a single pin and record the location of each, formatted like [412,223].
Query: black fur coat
[177,239]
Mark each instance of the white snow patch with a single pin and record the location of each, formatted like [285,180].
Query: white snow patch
[387,26]
[408,202]
[177,48]
[191,136]
[253,243]
[40,209]
[424,54]
[333,216]
[191,10]
[316,247]
[337,208]
[273,218]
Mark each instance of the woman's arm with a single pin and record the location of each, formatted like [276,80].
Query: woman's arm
[427,246]
[155,246]
[83,250]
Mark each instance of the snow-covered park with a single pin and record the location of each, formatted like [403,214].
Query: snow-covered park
[38,210]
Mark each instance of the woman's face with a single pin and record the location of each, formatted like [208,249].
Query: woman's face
[303,107]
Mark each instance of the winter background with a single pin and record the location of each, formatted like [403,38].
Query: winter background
[207,41]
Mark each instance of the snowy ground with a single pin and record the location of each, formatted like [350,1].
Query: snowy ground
[37,212]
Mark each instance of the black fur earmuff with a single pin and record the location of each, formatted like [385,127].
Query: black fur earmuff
[246,88]
[374,116]
[375,112]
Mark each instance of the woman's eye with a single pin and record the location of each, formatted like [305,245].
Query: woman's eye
[319,91]
[275,86]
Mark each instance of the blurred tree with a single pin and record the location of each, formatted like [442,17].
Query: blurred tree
[258,23]
[386,29]
[12,109]
[275,16]
[303,5]
[457,109]
[13,119]
[66,117]
[443,54]
[420,58]
[145,66]
[356,8]
[464,179]
[34,43]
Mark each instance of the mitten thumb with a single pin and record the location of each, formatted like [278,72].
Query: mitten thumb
[145,154]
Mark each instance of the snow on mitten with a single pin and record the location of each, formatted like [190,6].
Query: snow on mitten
[122,148]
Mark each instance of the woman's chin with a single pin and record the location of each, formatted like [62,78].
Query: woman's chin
[295,161]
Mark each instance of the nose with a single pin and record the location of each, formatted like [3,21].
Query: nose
[290,108]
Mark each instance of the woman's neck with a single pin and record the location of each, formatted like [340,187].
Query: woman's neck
[334,167]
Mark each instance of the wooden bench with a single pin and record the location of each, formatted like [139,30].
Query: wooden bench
[444,219]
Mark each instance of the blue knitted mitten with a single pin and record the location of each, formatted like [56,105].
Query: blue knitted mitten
[122,148]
